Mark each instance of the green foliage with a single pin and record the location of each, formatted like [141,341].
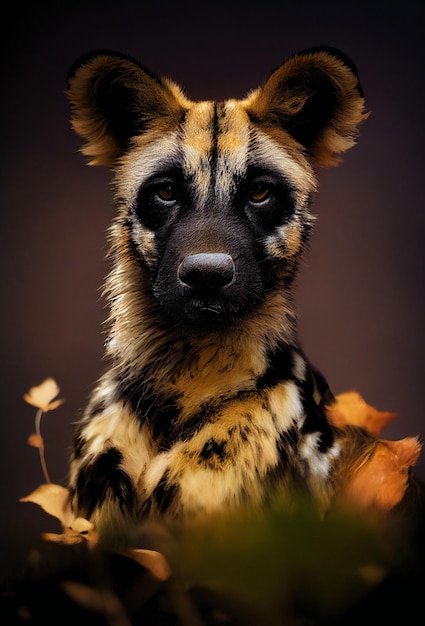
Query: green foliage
[290,562]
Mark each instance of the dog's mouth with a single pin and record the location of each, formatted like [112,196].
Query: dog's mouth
[217,311]
[200,307]
[213,310]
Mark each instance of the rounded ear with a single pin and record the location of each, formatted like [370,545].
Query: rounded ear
[316,97]
[113,99]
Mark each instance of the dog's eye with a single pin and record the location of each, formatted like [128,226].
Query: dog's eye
[166,191]
[259,192]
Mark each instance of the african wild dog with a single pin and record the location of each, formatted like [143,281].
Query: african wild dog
[208,401]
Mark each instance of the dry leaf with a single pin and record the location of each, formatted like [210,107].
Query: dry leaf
[350,408]
[152,560]
[54,405]
[381,481]
[81,530]
[35,440]
[41,396]
[52,499]
[65,538]
[81,525]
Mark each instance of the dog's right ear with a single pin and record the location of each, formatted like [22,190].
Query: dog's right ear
[114,99]
[316,97]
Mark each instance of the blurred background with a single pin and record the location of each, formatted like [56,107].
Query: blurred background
[361,289]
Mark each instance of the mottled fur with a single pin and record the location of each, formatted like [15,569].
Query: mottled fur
[208,400]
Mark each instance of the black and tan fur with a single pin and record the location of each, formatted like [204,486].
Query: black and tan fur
[208,401]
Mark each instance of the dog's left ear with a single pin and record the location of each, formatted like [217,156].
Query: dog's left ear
[316,97]
[115,99]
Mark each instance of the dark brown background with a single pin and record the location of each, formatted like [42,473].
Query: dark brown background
[361,289]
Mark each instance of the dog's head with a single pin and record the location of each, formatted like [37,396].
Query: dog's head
[214,196]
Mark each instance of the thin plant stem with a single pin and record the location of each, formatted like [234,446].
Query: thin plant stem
[41,448]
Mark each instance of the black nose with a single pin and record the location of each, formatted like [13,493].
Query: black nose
[206,270]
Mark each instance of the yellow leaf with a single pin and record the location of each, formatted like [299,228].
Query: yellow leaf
[63,538]
[54,405]
[81,525]
[41,396]
[52,499]
[152,560]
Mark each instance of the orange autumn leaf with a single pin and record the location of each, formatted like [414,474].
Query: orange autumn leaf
[35,440]
[372,472]
[55,403]
[350,408]
[382,481]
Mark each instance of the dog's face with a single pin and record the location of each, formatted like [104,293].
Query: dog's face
[214,197]
[218,212]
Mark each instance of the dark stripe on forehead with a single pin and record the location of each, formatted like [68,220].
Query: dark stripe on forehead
[215,130]
[214,135]
[226,157]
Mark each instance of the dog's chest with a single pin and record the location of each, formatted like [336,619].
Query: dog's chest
[225,453]
[211,433]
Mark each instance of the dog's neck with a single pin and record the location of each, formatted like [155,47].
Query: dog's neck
[217,360]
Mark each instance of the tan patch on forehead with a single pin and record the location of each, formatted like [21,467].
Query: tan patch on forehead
[234,129]
[197,137]
[232,145]
[222,128]
[197,142]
